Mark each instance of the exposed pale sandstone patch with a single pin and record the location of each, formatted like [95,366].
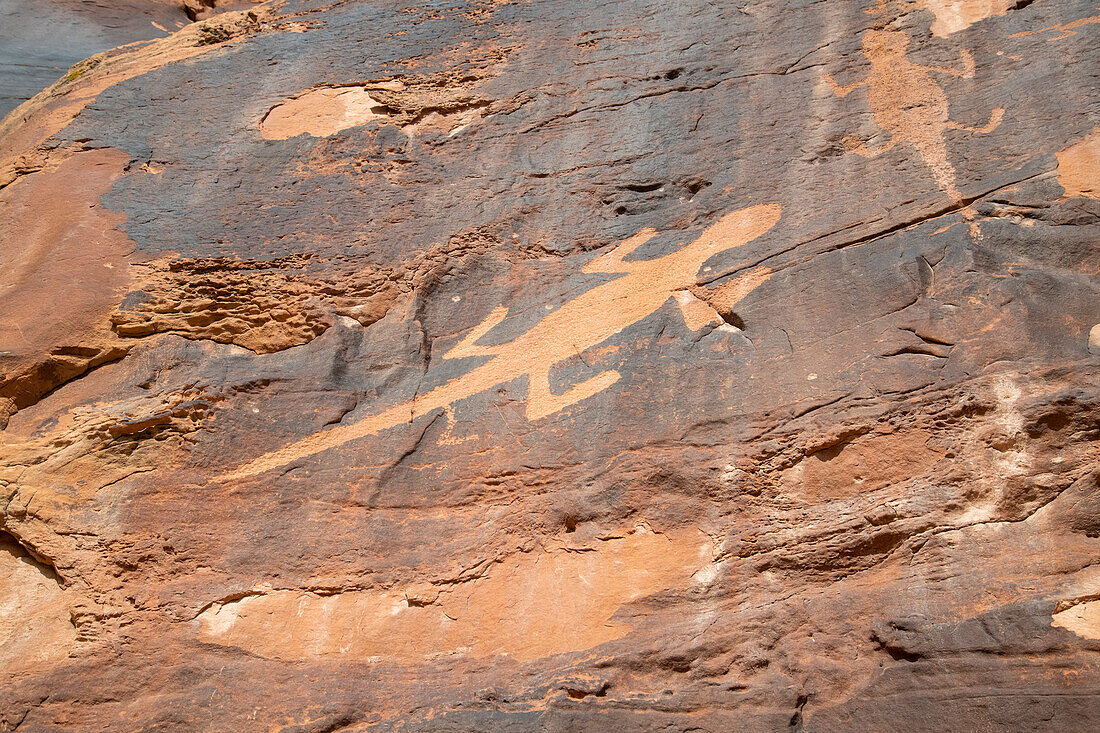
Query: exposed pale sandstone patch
[953,16]
[529,606]
[1079,167]
[1082,619]
[321,112]
[418,109]
[35,626]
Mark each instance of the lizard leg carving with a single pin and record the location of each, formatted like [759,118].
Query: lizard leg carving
[855,145]
[995,118]
[966,72]
[839,90]
[613,261]
[542,402]
[467,347]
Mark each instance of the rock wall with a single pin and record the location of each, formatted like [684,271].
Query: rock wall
[487,365]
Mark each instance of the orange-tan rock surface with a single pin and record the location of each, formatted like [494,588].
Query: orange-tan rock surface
[503,365]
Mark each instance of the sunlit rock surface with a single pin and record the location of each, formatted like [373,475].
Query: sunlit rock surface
[507,366]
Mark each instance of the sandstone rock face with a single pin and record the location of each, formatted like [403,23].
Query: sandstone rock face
[507,366]
[41,39]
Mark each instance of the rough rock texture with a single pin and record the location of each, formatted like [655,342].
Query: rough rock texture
[505,366]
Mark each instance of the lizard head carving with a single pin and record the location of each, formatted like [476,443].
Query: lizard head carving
[885,44]
[732,230]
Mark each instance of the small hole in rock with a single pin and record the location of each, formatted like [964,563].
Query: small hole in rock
[733,319]
[696,186]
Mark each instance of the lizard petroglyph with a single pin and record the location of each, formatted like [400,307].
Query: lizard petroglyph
[909,105]
[581,323]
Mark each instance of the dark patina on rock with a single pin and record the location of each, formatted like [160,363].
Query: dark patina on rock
[556,366]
